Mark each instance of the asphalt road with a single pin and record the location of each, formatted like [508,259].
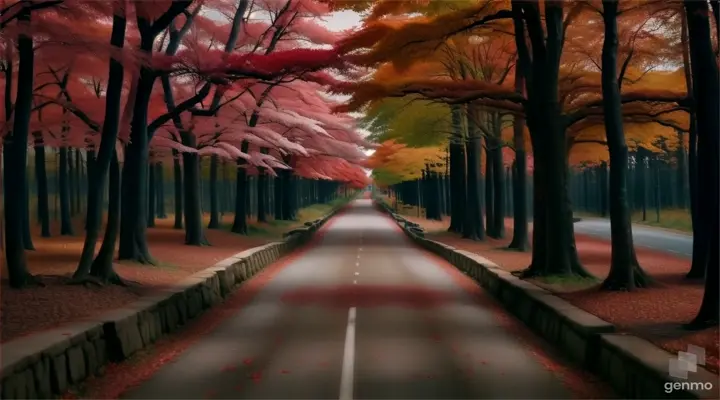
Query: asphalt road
[652,238]
[362,315]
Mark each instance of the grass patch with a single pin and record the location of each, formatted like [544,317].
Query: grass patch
[276,228]
[670,218]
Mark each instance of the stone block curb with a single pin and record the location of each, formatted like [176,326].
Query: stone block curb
[635,367]
[45,364]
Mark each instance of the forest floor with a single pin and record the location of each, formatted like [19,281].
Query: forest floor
[655,314]
[54,260]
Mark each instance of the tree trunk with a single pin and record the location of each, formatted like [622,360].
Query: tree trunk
[72,200]
[625,272]
[160,190]
[241,188]
[489,189]
[554,251]
[457,174]
[134,207]
[42,187]
[213,187]
[498,179]
[100,164]
[66,227]
[707,100]
[152,189]
[697,267]
[520,214]
[261,195]
[473,225]
[27,235]
[178,186]
[102,266]
[194,235]
[78,180]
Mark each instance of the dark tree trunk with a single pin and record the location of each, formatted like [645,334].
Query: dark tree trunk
[707,100]
[520,214]
[15,154]
[134,207]
[554,251]
[473,225]
[697,267]
[102,266]
[78,180]
[152,189]
[194,234]
[213,187]
[99,165]
[178,186]
[457,174]
[498,180]
[278,195]
[66,227]
[489,189]
[625,272]
[27,235]
[42,187]
[261,195]
[160,190]
[241,189]
[72,201]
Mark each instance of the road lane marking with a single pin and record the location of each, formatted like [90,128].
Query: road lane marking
[354,282]
[357,264]
[360,249]
[358,256]
[347,383]
[357,273]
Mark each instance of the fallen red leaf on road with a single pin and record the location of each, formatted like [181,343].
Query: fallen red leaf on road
[228,368]
[284,371]
[256,376]
[483,362]
[436,337]
[247,361]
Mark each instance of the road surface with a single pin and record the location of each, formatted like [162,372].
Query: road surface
[362,315]
[652,238]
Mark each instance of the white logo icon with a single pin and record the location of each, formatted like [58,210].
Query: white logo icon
[686,361]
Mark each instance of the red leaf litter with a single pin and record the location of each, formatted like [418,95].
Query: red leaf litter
[229,368]
[36,309]
[256,377]
[118,378]
[247,361]
[284,371]
[582,384]
[655,314]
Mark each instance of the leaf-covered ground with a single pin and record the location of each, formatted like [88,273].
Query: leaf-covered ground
[655,314]
[34,309]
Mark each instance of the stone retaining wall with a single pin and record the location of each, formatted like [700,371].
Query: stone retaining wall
[635,367]
[46,364]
